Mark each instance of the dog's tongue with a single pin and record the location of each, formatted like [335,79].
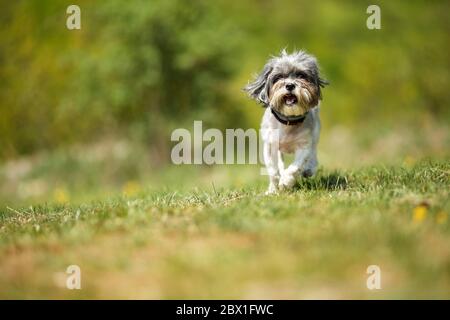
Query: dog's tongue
[291,100]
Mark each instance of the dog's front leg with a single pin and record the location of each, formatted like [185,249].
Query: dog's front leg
[271,162]
[288,177]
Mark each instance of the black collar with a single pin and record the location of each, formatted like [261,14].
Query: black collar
[288,120]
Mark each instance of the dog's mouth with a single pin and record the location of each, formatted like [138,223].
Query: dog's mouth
[290,99]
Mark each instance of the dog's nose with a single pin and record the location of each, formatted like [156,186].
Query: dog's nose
[290,86]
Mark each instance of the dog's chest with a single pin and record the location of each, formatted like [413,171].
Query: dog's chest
[292,139]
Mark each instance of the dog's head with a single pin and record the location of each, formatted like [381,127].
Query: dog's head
[289,83]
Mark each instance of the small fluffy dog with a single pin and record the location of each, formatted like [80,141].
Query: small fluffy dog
[289,87]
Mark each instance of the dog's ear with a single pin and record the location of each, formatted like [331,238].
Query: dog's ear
[321,84]
[258,88]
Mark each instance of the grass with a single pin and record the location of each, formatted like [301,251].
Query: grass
[225,239]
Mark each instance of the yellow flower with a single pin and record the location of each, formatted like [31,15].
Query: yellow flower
[409,161]
[130,188]
[60,195]
[441,217]
[420,213]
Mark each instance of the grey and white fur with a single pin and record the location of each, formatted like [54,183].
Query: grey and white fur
[289,86]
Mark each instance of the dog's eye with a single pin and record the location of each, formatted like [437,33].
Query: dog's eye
[277,78]
[300,74]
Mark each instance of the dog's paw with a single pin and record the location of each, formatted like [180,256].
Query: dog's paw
[308,173]
[272,190]
[287,181]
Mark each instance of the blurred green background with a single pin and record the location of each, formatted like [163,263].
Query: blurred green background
[96,106]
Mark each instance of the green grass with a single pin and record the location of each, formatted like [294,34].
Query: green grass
[227,240]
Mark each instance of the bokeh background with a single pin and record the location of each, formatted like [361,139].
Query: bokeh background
[88,113]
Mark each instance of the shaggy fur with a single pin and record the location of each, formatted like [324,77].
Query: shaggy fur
[291,85]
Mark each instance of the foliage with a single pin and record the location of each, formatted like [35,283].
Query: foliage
[140,68]
[138,63]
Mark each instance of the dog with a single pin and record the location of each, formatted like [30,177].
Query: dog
[289,87]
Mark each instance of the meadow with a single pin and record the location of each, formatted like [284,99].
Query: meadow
[210,232]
